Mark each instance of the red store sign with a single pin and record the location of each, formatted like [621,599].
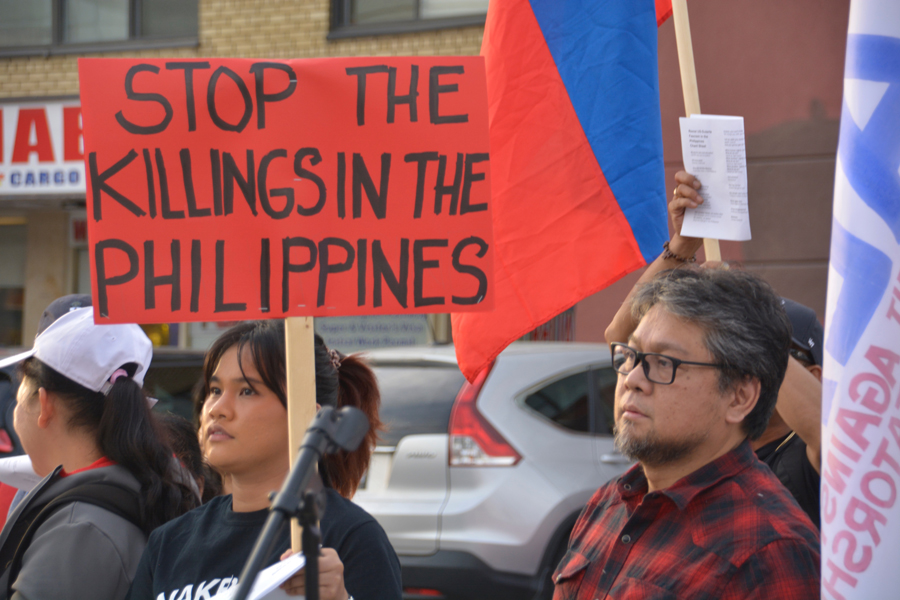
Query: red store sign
[41,149]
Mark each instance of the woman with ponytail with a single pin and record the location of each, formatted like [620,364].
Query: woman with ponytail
[109,479]
[244,433]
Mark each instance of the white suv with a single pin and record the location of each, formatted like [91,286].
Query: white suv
[478,485]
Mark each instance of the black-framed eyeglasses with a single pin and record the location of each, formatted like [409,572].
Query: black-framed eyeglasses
[658,368]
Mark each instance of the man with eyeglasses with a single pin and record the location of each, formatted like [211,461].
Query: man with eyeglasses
[791,444]
[699,516]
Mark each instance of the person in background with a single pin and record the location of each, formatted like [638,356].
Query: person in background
[699,516]
[56,309]
[245,434]
[791,444]
[16,475]
[85,424]
[182,438]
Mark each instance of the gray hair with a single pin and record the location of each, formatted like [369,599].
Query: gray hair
[745,325]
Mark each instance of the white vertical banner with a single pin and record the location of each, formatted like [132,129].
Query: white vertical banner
[861,392]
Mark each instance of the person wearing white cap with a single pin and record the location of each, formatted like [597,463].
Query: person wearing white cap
[108,480]
[16,471]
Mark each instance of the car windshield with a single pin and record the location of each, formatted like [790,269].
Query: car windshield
[416,397]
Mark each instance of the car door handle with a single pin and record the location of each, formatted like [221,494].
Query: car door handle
[615,459]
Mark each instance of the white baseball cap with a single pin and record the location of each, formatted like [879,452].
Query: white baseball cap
[89,354]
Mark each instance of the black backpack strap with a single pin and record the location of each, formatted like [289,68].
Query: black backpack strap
[112,497]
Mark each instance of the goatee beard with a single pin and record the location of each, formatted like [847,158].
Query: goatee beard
[652,451]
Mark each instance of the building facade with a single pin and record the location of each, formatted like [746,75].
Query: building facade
[777,64]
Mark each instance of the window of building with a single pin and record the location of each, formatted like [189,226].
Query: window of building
[61,26]
[25,23]
[374,17]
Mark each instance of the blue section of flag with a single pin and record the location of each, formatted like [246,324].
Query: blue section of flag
[866,271]
[871,156]
[610,73]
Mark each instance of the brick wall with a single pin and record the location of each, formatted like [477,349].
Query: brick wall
[244,28]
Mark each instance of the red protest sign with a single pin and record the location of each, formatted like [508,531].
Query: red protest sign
[237,189]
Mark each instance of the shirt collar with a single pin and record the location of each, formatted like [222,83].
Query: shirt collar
[726,466]
[633,482]
[97,464]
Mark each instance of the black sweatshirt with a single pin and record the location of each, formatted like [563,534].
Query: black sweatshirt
[202,553]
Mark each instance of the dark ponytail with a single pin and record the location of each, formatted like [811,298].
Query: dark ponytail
[340,381]
[126,432]
[347,381]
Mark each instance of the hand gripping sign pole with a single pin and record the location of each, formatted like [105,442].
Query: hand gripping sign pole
[689,88]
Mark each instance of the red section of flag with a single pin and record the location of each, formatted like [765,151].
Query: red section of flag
[559,233]
[663,11]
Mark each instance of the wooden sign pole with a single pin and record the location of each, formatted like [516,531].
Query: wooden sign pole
[689,88]
[301,391]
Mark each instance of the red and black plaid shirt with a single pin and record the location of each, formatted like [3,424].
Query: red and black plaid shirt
[728,530]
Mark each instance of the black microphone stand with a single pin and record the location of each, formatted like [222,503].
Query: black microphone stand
[330,430]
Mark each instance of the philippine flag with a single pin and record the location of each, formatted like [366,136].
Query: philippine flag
[576,159]
[861,409]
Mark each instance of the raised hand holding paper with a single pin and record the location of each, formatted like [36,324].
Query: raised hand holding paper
[713,150]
